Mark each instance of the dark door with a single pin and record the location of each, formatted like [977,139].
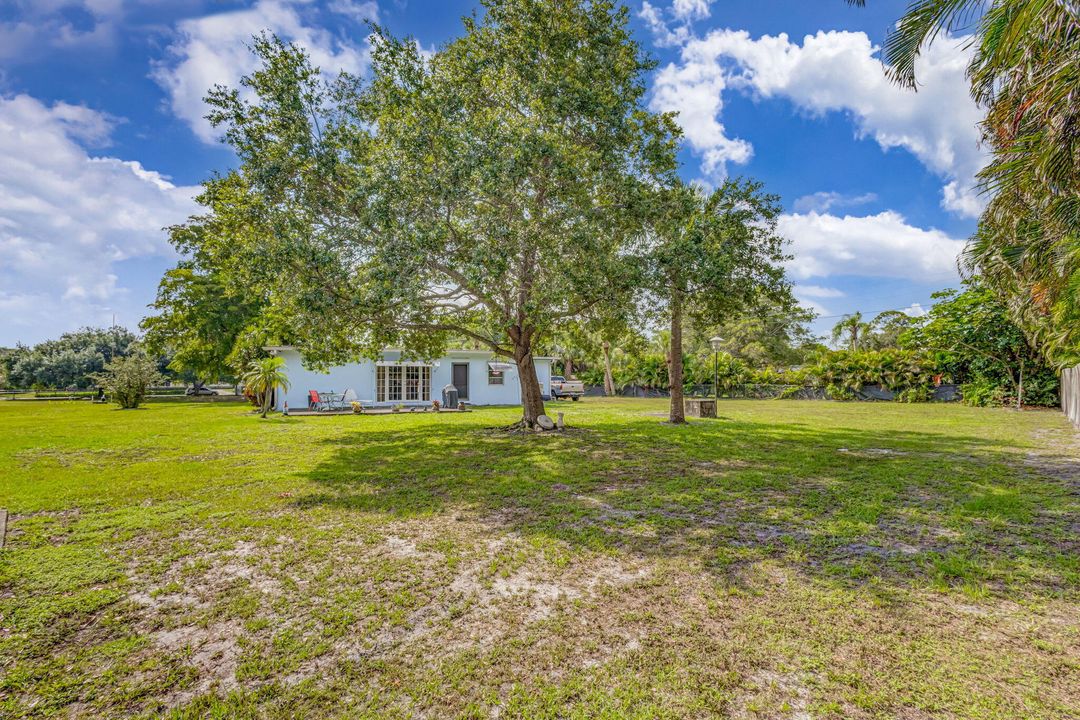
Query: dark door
[460,379]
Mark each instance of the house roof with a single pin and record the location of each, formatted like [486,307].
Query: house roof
[272,349]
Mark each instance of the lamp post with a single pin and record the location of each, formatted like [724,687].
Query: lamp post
[716,342]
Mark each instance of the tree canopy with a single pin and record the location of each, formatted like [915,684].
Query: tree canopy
[713,254]
[976,340]
[69,361]
[488,191]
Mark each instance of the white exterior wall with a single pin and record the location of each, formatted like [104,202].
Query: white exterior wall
[361,378]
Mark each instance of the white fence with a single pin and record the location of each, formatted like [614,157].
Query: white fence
[1070,393]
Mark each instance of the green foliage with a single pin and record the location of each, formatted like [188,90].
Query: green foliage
[263,377]
[7,357]
[983,392]
[771,332]
[887,329]
[919,394]
[1024,72]
[126,379]
[69,361]
[907,373]
[713,254]
[204,321]
[976,342]
[851,332]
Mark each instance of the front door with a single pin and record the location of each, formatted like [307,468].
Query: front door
[460,379]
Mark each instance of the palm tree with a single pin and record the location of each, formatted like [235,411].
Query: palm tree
[1024,71]
[263,377]
[853,327]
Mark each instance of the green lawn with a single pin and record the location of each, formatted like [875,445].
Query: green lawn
[789,560]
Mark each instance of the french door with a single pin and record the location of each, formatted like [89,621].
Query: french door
[403,383]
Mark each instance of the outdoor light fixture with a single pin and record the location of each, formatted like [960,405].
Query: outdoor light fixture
[716,343]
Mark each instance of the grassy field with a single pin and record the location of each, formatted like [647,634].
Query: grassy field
[788,560]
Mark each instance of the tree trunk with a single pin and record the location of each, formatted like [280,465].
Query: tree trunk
[609,381]
[532,402]
[568,367]
[677,414]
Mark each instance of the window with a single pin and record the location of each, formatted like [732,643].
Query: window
[412,383]
[495,377]
[394,383]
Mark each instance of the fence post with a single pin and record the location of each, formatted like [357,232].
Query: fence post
[1070,394]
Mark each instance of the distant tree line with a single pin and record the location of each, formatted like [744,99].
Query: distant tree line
[967,338]
[72,360]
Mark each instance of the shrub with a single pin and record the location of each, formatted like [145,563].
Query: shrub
[839,392]
[844,373]
[918,394]
[983,392]
[126,379]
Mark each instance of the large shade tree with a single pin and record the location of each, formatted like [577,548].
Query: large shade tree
[209,316]
[974,338]
[486,191]
[713,254]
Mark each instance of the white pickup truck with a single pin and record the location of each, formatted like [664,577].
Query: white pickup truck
[563,388]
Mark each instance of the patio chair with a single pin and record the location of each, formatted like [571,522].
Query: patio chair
[315,402]
[348,399]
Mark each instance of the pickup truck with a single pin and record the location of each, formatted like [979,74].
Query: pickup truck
[562,388]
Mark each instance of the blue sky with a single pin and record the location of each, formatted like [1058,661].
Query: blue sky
[102,142]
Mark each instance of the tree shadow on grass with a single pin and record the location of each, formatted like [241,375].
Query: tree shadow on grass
[836,504]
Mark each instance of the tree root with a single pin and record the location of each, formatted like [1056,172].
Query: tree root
[523,426]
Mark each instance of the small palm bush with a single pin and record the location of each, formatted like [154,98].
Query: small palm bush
[263,377]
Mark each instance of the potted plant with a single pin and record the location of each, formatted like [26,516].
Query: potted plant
[435,405]
[357,408]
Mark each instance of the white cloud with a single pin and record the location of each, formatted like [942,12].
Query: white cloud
[833,72]
[35,26]
[66,217]
[696,94]
[691,9]
[214,50]
[817,291]
[882,245]
[824,201]
[682,14]
[359,10]
[663,34]
[914,310]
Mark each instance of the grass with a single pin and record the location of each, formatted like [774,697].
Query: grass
[789,560]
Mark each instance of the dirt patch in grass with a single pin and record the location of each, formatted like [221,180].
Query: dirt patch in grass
[772,694]
[89,457]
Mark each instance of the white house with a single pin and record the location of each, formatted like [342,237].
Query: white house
[480,378]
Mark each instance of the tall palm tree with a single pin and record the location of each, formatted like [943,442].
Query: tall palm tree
[1026,71]
[853,329]
[263,377]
